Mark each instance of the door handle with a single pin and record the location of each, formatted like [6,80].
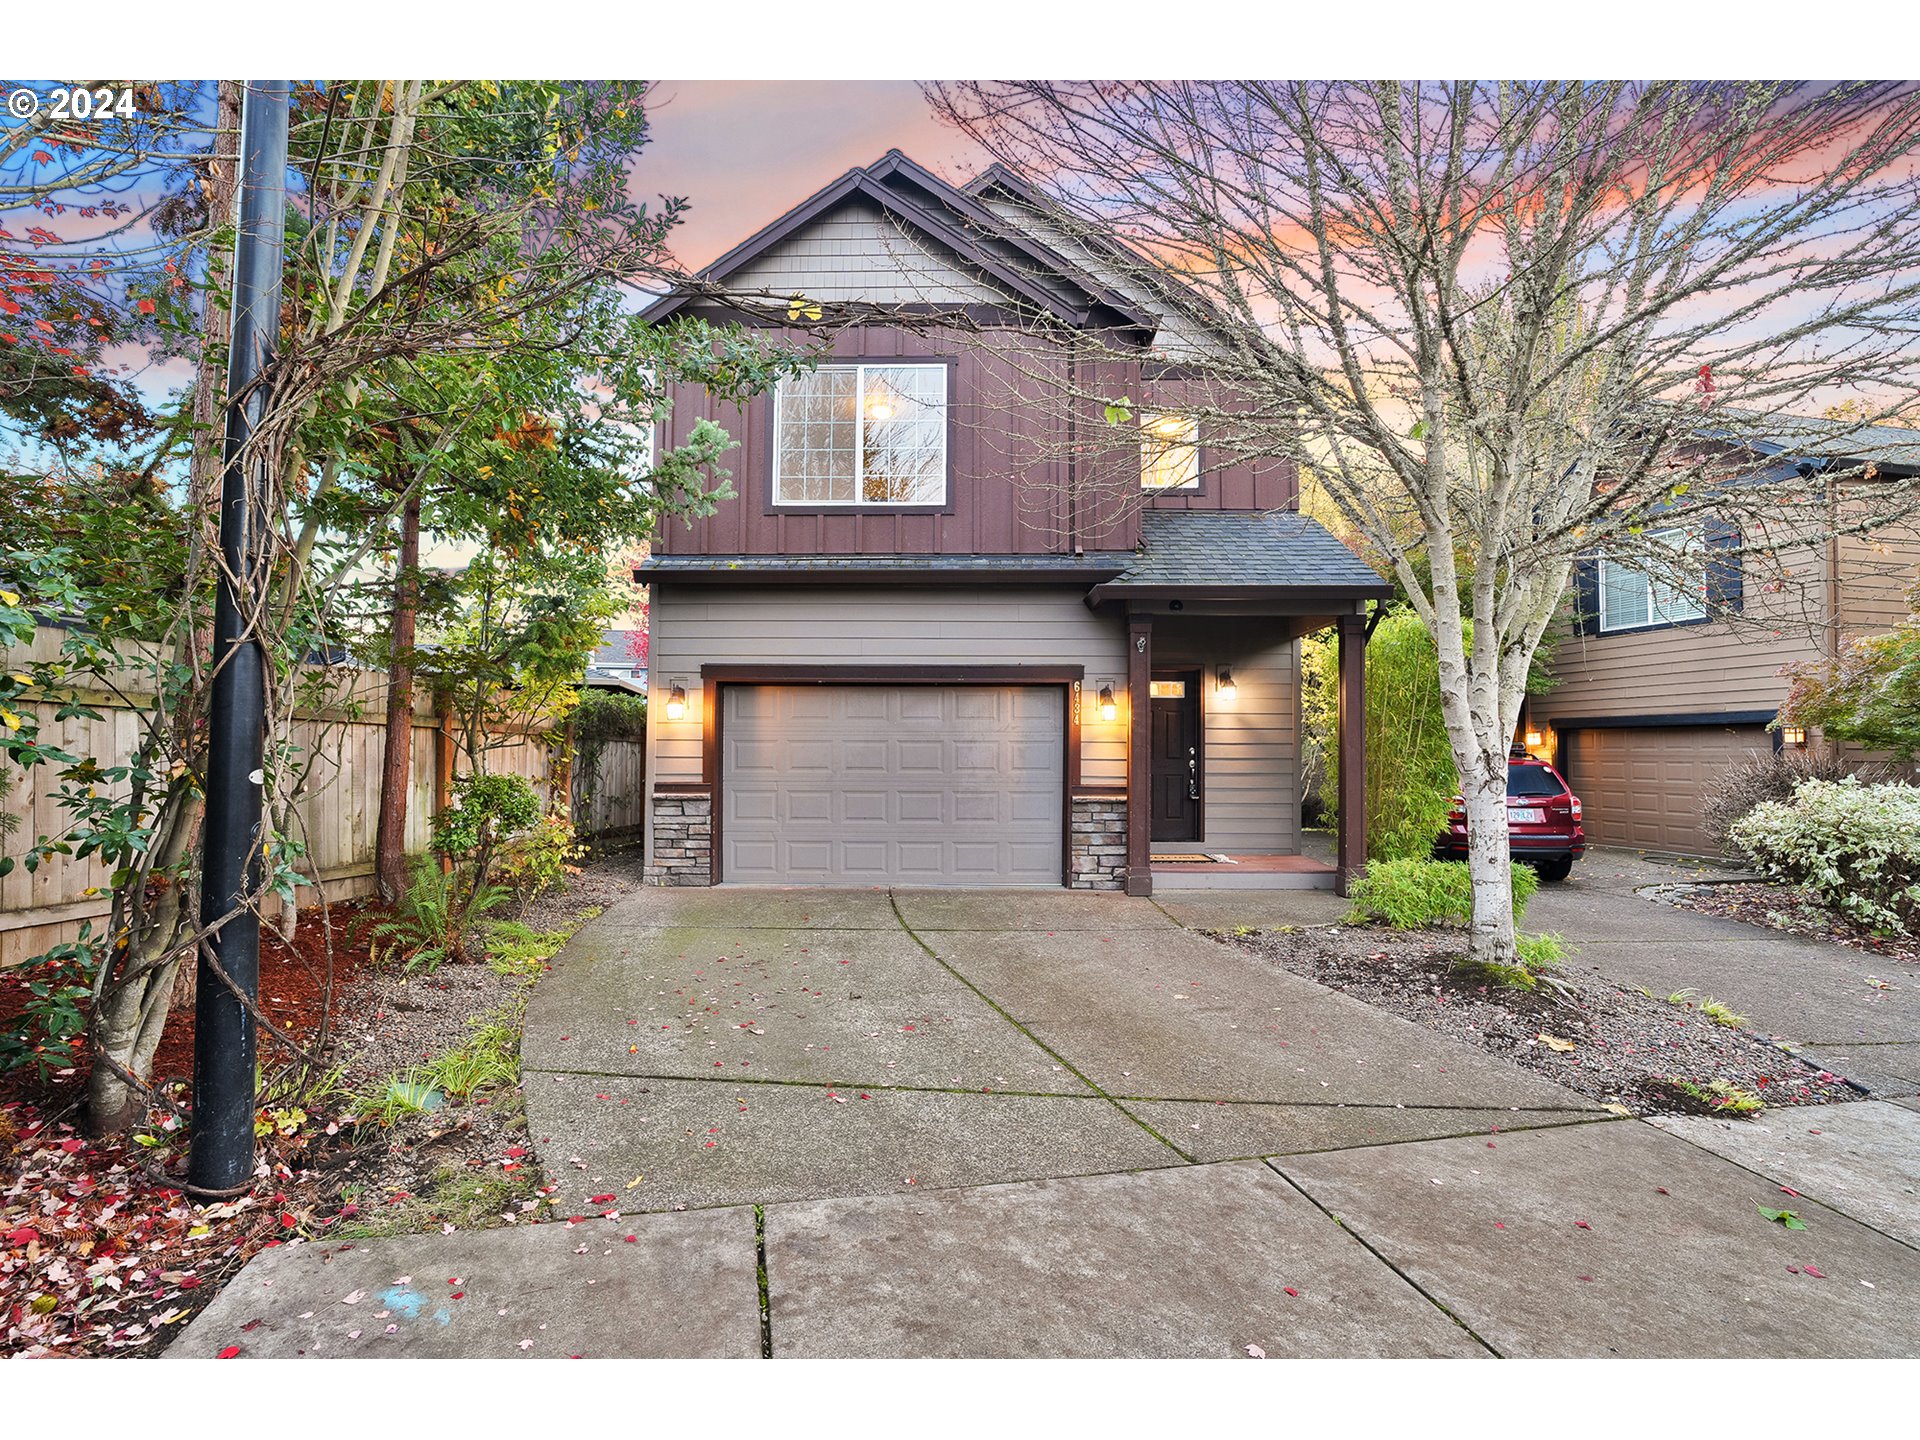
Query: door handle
[1193,774]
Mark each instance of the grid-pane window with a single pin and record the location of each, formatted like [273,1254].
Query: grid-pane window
[862,435]
[1631,599]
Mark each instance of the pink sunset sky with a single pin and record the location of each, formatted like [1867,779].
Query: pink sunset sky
[743,152]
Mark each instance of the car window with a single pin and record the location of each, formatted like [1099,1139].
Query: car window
[1532,780]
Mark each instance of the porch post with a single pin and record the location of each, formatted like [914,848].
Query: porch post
[1140,727]
[1351,854]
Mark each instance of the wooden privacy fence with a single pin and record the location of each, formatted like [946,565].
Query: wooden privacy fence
[339,810]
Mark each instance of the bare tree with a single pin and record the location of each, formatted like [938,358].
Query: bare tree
[1507,325]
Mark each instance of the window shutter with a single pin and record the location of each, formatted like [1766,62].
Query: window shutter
[1726,587]
[1586,595]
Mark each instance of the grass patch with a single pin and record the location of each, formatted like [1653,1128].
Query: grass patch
[515,948]
[1720,1096]
[468,1199]
[1709,1007]
[1414,894]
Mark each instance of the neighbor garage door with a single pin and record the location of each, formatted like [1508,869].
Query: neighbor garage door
[883,785]
[1645,788]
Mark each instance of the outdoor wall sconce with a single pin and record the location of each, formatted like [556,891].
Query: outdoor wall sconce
[1535,739]
[1225,685]
[1108,710]
[1794,735]
[677,703]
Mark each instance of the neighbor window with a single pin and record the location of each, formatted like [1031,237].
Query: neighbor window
[862,435]
[1169,452]
[1632,599]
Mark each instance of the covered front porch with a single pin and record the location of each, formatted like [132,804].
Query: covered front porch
[1215,609]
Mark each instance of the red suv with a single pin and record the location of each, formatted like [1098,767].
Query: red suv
[1543,820]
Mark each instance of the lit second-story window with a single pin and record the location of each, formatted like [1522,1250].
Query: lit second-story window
[1631,599]
[1169,452]
[862,435]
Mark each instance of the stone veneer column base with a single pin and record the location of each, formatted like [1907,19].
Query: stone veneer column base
[1097,859]
[682,841]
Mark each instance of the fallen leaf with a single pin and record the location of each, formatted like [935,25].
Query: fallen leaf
[1554,1042]
[1814,1271]
[1256,1352]
[229,1352]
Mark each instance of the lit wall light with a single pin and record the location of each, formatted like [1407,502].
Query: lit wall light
[1535,739]
[1226,686]
[677,703]
[1794,735]
[1108,710]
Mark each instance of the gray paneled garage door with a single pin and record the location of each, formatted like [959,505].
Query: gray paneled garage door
[1645,787]
[883,785]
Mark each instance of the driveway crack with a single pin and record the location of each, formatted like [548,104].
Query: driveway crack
[1000,1010]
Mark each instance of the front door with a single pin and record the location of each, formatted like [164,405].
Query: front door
[1175,765]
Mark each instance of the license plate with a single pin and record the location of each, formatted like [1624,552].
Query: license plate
[1526,817]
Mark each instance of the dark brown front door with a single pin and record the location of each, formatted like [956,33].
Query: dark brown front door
[1175,764]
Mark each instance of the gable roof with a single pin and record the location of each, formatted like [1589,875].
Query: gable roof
[1808,437]
[915,197]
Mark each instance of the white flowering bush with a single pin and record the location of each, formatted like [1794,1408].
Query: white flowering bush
[1857,846]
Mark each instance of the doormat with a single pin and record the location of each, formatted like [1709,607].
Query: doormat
[1194,860]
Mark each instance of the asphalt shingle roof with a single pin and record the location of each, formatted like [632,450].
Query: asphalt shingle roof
[1219,548]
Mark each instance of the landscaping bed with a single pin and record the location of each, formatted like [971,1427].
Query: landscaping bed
[1615,1045]
[101,1252]
[1791,909]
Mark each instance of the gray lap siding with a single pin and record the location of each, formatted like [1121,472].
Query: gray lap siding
[1252,790]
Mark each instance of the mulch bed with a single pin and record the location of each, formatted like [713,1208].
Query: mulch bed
[1789,909]
[1623,1048]
[101,1252]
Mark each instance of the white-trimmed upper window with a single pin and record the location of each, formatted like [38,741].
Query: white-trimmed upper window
[1169,452]
[861,435]
[1631,599]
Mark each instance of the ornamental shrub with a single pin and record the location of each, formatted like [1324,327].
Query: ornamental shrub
[1412,894]
[1856,846]
[1771,775]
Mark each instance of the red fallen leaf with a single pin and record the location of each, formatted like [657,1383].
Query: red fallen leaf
[229,1352]
[1499,1224]
[1661,1190]
[633,1239]
[287,1222]
[602,1199]
[1583,1225]
[458,1295]
[516,1152]
[1814,1271]
[1583,1277]
[25,1235]
[189,1282]
[72,1146]
[1291,1291]
[1789,1190]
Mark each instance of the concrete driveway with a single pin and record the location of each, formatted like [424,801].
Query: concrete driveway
[742,1045]
[839,1123]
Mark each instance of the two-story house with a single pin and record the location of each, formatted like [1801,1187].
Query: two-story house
[1660,688]
[919,648]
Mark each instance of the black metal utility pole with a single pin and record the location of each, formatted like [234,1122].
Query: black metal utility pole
[220,1162]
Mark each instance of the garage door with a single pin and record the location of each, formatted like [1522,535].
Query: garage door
[883,785]
[1645,788]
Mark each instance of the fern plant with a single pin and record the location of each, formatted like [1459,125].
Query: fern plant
[429,926]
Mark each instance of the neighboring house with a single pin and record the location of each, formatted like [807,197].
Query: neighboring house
[620,663]
[903,655]
[1659,690]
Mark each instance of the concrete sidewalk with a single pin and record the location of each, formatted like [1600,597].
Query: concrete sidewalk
[1603,1238]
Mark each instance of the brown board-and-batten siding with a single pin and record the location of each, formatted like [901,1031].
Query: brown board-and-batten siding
[861,628]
